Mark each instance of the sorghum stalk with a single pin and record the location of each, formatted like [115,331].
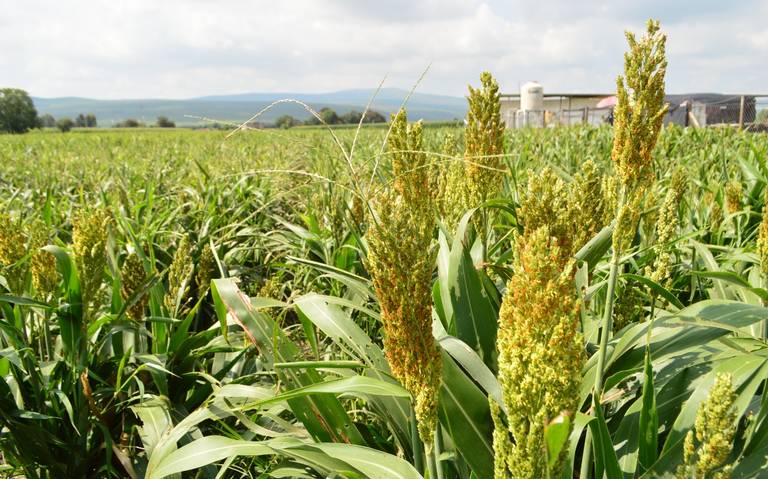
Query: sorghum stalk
[401,258]
[638,120]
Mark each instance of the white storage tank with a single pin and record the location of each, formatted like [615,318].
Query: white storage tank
[532,96]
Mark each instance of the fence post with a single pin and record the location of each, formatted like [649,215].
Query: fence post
[741,113]
[585,115]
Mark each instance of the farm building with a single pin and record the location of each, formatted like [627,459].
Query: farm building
[533,107]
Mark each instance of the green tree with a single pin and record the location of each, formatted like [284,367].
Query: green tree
[90,120]
[328,115]
[46,121]
[17,112]
[286,121]
[352,117]
[164,122]
[80,121]
[128,123]
[65,124]
[374,117]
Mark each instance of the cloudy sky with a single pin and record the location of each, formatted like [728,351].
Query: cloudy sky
[182,49]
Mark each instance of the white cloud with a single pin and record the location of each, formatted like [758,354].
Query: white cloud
[179,49]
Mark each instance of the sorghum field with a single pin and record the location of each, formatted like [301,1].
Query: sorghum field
[396,302]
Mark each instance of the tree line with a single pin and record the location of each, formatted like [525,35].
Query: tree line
[328,116]
[19,115]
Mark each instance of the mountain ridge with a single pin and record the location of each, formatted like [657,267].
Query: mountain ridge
[239,107]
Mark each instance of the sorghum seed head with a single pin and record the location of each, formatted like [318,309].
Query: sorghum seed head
[641,108]
[484,143]
[707,451]
[541,354]
[133,276]
[45,276]
[179,278]
[206,271]
[762,238]
[733,196]
[89,240]
[400,259]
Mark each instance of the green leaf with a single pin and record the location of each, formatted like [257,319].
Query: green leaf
[155,422]
[465,415]
[322,414]
[474,314]
[649,420]
[604,454]
[596,247]
[204,451]
[556,436]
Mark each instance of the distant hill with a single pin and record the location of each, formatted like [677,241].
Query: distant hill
[240,107]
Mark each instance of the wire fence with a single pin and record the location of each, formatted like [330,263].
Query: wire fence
[697,110]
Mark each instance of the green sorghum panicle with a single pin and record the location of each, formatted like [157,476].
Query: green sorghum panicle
[206,271]
[733,195]
[638,119]
[708,446]
[179,277]
[641,108]
[667,225]
[13,243]
[762,238]
[573,212]
[715,216]
[651,216]
[590,211]
[448,181]
[45,277]
[132,277]
[401,257]
[541,355]
[484,143]
[89,241]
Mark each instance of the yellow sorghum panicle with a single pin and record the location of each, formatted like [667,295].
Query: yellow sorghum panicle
[628,307]
[707,449]
[712,206]
[541,354]
[650,217]
[272,288]
[572,212]
[45,277]
[448,178]
[179,278]
[401,257]
[626,222]
[762,238]
[638,117]
[484,143]
[89,240]
[590,211]
[206,271]
[12,250]
[132,277]
[733,194]
[667,225]
[641,108]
